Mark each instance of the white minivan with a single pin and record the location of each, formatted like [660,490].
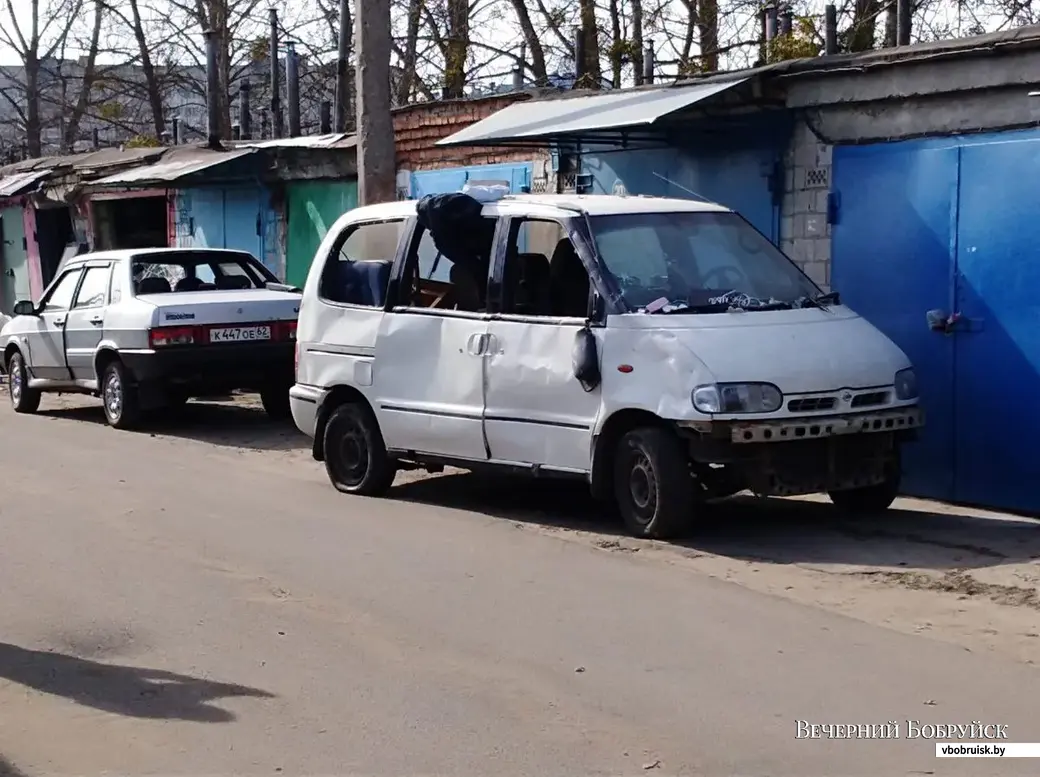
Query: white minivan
[663,350]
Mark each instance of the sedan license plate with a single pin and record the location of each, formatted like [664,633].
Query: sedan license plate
[239,334]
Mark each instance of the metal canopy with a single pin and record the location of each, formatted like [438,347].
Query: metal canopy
[173,166]
[584,118]
[17,183]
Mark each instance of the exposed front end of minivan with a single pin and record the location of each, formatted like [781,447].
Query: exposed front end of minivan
[780,403]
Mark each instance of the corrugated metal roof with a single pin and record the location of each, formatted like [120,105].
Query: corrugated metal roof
[539,120]
[174,165]
[12,185]
[333,140]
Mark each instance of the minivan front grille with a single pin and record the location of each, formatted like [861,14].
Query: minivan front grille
[871,399]
[811,404]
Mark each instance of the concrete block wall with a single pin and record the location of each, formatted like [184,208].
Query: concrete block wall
[805,235]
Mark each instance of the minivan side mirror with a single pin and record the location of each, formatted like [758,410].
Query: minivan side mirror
[24,307]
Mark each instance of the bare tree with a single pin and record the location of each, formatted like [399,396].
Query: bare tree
[25,86]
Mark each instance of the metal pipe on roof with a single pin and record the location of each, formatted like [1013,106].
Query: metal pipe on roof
[903,21]
[175,130]
[326,118]
[830,29]
[770,12]
[648,62]
[578,36]
[343,68]
[292,89]
[212,90]
[245,111]
[786,20]
[518,71]
[278,130]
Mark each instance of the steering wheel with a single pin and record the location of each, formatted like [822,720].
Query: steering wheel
[730,277]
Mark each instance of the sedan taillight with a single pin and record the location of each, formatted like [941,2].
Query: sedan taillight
[165,336]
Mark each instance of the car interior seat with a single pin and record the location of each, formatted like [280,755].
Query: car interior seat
[530,284]
[568,282]
[153,284]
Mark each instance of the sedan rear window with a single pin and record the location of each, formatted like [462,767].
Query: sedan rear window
[198,271]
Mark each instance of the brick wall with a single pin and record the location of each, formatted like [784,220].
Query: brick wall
[805,234]
[418,127]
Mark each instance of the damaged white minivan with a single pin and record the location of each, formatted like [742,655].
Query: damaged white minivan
[662,350]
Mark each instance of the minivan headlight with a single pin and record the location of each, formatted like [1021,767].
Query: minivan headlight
[737,398]
[906,384]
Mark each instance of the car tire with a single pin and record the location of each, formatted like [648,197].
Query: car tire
[119,397]
[355,455]
[869,499]
[652,483]
[23,398]
[275,399]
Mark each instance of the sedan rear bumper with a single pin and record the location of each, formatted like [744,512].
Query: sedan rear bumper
[222,366]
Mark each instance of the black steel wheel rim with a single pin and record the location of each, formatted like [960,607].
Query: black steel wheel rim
[642,486]
[352,459]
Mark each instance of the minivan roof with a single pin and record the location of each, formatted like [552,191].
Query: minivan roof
[592,204]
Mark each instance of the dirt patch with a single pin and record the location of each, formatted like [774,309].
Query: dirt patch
[960,583]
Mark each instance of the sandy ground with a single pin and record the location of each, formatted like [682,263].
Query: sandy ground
[184,546]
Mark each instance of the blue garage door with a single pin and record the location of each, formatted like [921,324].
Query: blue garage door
[951,225]
[737,178]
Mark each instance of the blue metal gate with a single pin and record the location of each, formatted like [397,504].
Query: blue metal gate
[453,179]
[951,224]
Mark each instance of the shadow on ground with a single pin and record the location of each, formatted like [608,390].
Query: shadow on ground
[7,769]
[240,423]
[778,531]
[123,690]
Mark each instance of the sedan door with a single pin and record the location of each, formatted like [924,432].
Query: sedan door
[84,326]
[46,337]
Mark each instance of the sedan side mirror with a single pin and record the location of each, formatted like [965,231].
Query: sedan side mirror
[24,307]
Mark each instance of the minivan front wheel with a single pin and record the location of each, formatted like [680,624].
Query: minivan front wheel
[355,454]
[867,500]
[652,483]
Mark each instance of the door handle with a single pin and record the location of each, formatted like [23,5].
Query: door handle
[491,345]
[59,322]
[476,343]
[97,320]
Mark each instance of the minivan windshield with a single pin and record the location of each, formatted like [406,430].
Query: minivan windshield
[697,261]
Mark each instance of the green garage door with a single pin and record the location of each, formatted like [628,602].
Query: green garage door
[313,208]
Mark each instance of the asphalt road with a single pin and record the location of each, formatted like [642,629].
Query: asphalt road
[178,607]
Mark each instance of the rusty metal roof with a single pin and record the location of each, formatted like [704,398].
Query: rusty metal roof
[17,183]
[332,140]
[175,164]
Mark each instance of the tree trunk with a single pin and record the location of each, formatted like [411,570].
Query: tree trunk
[411,46]
[456,49]
[86,81]
[151,83]
[593,78]
[534,43]
[637,41]
[864,26]
[708,34]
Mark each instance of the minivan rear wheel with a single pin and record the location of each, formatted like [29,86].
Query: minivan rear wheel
[275,399]
[355,454]
[652,483]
